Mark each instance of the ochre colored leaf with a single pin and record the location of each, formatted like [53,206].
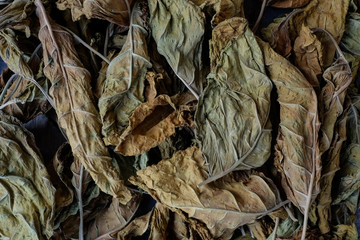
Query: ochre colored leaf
[297,150]
[76,112]
[124,85]
[233,110]
[152,122]
[27,196]
[115,12]
[223,205]
[178,28]
[288,3]
[135,228]
[16,15]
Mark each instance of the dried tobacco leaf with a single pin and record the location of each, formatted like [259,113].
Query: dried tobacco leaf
[236,199]
[16,15]
[27,196]
[166,224]
[288,3]
[297,150]
[288,228]
[233,110]
[345,232]
[152,122]
[309,56]
[125,76]
[178,29]
[350,41]
[74,106]
[135,228]
[112,11]
[113,219]
[321,14]
[100,81]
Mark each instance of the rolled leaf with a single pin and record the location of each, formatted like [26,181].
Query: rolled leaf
[232,118]
[76,112]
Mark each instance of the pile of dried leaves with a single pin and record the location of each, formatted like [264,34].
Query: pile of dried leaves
[236,133]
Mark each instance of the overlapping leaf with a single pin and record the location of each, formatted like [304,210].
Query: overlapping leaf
[232,118]
[76,111]
[125,77]
[27,196]
[223,205]
[297,151]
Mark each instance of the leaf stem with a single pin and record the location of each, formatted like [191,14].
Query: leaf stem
[258,20]
[276,227]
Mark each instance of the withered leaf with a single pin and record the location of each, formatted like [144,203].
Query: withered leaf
[166,224]
[113,219]
[345,232]
[27,196]
[100,81]
[74,106]
[232,118]
[16,15]
[115,12]
[152,122]
[350,40]
[321,14]
[288,3]
[178,28]
[297,150]
[223,205]
[125,76]
[308,56]
[135,228]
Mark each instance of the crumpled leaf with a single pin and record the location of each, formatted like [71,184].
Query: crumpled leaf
[166,224]
[113,219]
[135,228]
[27,195]
[288,3]
[178,28]
[345,232]
[321,14]
[112,11]
[152,122]
[309,56]
[76,112]
[297,150]
[233,110]
[350,41]
[349,173]
[236,199]
[288,228]
[16,15]
[125,76]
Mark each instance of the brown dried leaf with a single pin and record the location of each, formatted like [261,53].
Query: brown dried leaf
[74,106]
[125,77]
[136,227]
[113,219]
[100,81]
[235,106]
[27,197]
[308,56]
[112,11]
[234,200]
[166,224]
[297,150]
[16,15]
[288,3]
[152,122]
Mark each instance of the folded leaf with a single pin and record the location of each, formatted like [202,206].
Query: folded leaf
[125,76]
[178,29]
[297,150]
[309,56]
[113,219]
[238,198]
[115,12]
[27,196]
[74,106]
[16,15]
[232,118]
[135,228]
[351,40]
[345,232]
[152,122]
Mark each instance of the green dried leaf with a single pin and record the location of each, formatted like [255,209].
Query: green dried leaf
[233,110]
[178,28]
[236,199]
[350,40]
[74,106]
[27,196]
[125,77]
